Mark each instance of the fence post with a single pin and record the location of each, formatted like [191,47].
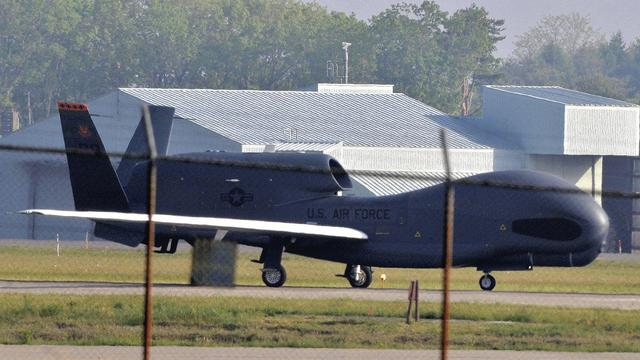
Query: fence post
[411,289]
[417,300]
[148,300]
[447,248]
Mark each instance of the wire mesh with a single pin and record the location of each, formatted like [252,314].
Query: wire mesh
[64,285]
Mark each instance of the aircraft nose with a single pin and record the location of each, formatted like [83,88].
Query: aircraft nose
[595,225]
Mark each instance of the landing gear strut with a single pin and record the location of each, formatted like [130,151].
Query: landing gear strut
[359,276]
[273,273]
[487,282]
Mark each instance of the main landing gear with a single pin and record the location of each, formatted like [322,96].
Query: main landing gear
[273,273]
[359,276]
[487,282]
[274,277]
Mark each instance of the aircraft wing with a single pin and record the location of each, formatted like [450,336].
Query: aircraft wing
[212,222]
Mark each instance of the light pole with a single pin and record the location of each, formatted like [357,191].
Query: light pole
[345,47]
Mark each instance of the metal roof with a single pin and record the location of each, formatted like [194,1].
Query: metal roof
[268,117]
[302,146]
[561,95]
[388,183]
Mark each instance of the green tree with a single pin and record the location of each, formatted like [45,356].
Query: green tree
[593,74]
[100,51]
[32,36]
[632,70]
[614,55]
[429,54]
[570,32]
[565,50]
[468,46]
[288,51]
[407,50]
[80,49]
[166,43]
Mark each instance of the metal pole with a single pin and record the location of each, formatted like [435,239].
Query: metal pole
[148,300]
[345,47]
[417,299]
[346,65]
[30,113]
[411,288]
[448,249]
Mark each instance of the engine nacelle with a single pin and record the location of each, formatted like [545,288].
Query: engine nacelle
[254,180]
[331,179]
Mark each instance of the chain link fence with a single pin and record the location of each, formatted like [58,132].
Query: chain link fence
[202,294]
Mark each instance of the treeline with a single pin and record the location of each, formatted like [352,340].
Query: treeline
[565,50]
[80,49]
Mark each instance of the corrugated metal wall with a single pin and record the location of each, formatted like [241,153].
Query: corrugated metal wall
[602,130]
[411,159]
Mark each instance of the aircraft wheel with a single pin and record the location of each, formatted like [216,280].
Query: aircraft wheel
[274,277]
[362,279]
[487,282]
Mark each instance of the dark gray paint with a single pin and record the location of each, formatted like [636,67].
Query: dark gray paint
[42,179]
[404,230]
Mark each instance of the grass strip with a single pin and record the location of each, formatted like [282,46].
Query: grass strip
[121,265]
[243,321]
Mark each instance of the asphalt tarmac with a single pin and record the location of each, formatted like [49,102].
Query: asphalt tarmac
[608,301]
[48,352]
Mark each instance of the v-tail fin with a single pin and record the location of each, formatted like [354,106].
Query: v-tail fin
[94,182]
[162,122]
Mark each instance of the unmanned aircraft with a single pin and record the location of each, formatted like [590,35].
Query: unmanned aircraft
[265,200]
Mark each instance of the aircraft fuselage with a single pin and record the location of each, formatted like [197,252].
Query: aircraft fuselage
[292,202]
[495,228]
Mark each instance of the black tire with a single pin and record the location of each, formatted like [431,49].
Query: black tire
[275,277]
[364,281]
[487,282]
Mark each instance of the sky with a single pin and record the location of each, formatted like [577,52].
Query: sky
[607,16]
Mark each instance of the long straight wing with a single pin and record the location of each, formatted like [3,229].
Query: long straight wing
[212,222]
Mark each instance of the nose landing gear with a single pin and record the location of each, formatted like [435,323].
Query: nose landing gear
[487,282]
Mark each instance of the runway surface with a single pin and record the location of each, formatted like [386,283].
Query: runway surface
[48,352]
[610,301]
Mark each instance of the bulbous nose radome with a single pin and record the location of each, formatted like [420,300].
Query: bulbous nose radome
[595,226]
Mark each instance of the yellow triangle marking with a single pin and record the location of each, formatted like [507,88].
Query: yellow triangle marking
[503,227]
[418,234]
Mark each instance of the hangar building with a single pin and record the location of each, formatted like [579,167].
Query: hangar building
[388,141]
[587,139]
